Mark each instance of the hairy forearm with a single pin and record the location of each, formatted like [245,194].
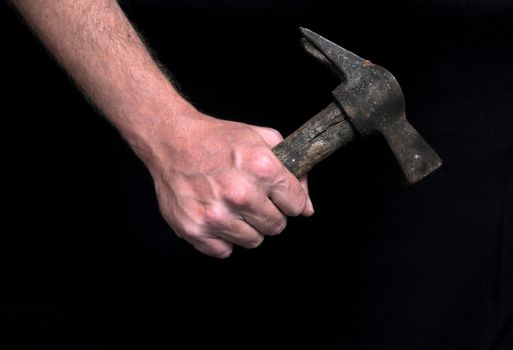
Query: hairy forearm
[96,44]
[217,182]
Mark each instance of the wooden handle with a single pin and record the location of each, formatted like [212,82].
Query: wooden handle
[316,139]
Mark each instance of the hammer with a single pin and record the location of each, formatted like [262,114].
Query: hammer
[368,101]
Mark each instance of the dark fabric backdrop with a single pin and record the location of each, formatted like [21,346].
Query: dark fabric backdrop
[86,261]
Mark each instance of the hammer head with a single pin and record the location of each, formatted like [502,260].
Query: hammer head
[372,99]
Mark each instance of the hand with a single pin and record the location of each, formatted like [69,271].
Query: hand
[219,184]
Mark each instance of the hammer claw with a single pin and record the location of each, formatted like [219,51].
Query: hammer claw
[312,50]
[342,61]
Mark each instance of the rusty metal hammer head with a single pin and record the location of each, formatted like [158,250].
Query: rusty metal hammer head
[373,101]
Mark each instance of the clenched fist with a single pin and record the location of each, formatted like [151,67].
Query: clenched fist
[219,184]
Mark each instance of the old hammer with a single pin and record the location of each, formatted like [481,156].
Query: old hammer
[369,100]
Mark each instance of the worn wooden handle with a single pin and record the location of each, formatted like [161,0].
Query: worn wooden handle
[319,137]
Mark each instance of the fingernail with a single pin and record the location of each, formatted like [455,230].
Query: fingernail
[309,205]
[226,254]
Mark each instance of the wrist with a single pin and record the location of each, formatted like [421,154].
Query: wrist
[160,127]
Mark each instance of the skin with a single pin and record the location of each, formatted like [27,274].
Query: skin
[218,183]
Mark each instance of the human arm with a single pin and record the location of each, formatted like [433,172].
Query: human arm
[217,181]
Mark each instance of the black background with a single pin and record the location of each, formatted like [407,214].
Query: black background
[87,262]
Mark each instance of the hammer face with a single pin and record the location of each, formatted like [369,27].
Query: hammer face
[372,99]
[416,158]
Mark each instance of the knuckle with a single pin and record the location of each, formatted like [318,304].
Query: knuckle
[214,216]
[192,232]
[264,165]
[238,194]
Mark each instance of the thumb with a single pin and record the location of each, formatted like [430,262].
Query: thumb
[273,137]
[309,210]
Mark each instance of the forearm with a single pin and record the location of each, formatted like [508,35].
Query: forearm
[96,44]
[218,182]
